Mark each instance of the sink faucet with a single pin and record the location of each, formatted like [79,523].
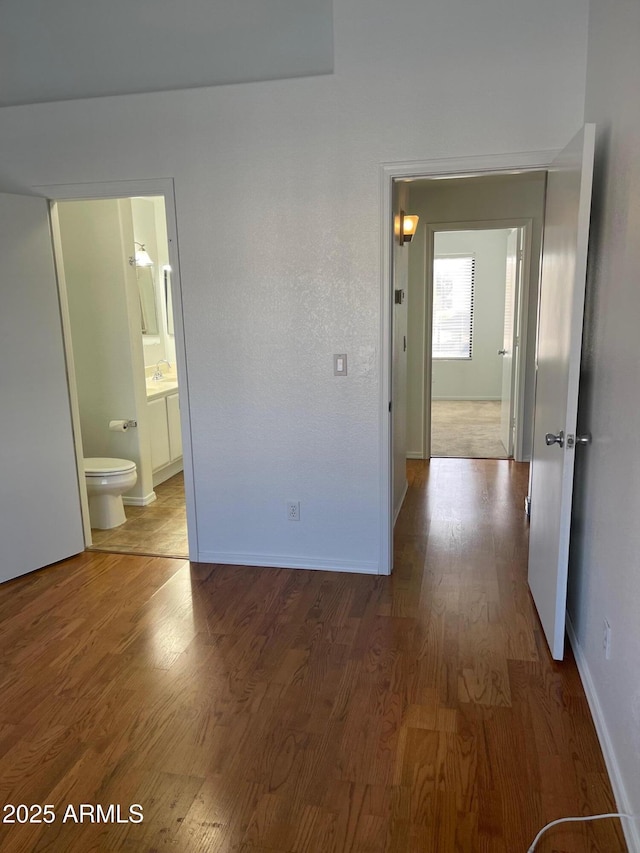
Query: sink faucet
[158,375]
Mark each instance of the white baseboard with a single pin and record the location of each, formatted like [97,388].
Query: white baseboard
[415,454]
[167,472]
[144,501]
[623,804]
[276,561]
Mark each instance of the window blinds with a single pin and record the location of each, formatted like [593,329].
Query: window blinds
[453,283]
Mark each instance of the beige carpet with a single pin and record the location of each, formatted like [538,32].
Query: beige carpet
[466,428]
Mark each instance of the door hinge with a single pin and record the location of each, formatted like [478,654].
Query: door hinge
[389,405]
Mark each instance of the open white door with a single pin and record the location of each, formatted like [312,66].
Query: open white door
[564,266]
[508,351]
[40,517]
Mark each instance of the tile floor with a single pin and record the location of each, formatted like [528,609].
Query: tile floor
[157,529]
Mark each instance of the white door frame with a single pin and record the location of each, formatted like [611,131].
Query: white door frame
[522,315]
[463,167]
[161,187]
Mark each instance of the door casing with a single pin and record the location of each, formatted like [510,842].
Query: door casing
[523,314]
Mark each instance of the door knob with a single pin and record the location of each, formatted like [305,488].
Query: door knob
[502,352]
[558,439]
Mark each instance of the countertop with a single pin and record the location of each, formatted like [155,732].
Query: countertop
[161,387]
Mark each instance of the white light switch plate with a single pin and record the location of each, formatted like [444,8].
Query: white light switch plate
[340,364]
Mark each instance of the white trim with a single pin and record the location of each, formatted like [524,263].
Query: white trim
[144,501]
[631,828]
[167,472]
[442,168]
[126,189]
[472,166]
[387,175]
[415,454]
[279,561]
[522,312]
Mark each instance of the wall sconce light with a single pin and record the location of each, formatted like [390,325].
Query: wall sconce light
[408,225]
[141,258]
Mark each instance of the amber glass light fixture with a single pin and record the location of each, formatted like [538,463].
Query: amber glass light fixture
[409,224]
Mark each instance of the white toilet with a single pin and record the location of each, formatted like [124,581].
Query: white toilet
[107,480]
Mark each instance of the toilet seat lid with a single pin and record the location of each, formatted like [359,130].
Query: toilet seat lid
[98,466]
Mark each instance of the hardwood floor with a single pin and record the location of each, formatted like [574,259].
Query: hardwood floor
[273,711]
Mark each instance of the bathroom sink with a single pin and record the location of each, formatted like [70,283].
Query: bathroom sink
[159,387]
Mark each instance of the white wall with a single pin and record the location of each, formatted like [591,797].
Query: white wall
[278,204]
[478,378]
[605,567]
[97,240]
[471,200]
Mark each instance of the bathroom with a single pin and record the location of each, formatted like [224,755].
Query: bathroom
[115,279]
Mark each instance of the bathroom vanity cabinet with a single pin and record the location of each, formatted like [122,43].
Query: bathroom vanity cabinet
[164,429]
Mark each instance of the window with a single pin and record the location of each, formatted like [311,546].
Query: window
[453,281]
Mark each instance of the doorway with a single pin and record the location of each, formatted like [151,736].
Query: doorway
[499,191]
[120,296]
[475,282]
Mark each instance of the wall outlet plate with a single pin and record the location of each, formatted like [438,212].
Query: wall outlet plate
[293,510]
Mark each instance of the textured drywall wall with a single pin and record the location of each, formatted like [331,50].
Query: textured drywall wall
[278,205]
[604,576]
[478,378]
[480,199]
[74,49]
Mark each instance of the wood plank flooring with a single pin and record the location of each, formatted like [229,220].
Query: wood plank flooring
[280,711]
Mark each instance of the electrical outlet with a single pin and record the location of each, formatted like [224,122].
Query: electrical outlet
[606,639]
[293,510]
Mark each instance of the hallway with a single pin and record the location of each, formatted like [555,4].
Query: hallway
[277,711]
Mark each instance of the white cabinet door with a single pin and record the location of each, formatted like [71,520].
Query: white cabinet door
[159,430]
[564,266]
[173,419]
[40,515]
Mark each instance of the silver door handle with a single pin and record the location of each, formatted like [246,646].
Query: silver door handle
[558,439]
[502,352]
[584,439]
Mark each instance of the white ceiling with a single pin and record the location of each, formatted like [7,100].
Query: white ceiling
[85,48]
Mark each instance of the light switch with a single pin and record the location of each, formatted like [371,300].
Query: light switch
[340,364]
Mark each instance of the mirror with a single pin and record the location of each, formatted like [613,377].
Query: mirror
[147,295]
